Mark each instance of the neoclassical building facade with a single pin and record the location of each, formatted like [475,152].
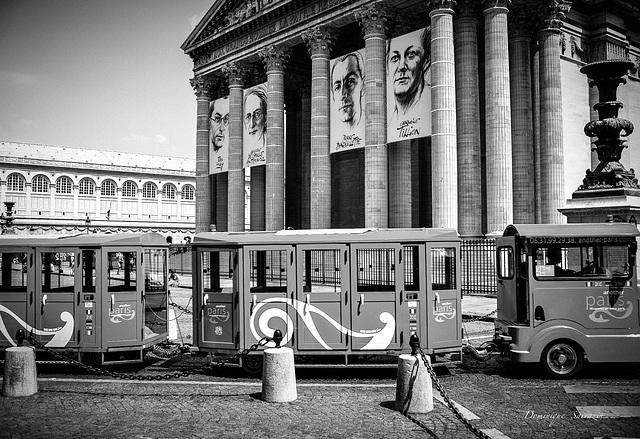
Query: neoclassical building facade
[506,105]
[61,190]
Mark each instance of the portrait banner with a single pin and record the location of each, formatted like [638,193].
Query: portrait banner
[408,86]
[347,102]
[254,137]
[219,136]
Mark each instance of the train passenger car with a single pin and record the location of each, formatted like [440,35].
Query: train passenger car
[103,296]
[568,294]
[341,293]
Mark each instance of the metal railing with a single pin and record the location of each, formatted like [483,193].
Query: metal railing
[478,269]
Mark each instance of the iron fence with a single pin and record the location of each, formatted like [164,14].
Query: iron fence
[478,266]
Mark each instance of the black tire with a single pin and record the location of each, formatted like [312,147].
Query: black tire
[253,364]
[562,359]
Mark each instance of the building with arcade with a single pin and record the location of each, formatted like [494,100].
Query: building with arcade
[411,113]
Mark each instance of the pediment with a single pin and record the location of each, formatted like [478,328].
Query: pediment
[225,15]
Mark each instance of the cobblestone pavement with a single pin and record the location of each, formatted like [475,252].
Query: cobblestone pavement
[501,399]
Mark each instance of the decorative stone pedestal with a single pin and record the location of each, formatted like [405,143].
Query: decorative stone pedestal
[598,206]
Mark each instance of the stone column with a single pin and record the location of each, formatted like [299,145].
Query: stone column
[535,79]
[235,73]
[274,59]
[202,87]
[305,154]
[521,122]
[465,36]
[400,184]
[373,19]
[498,117]
[444,150]
[552,195]
[319,42]
[256,200]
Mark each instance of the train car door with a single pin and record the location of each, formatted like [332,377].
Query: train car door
[269,288]
[217,320]
[89,312]
[377,272]
[55,297]
[17,309]
[444,297]
[122,299]
[322,301]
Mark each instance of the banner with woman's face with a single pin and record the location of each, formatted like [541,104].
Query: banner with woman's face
[254,119]
[347,102]
[408,86]
[219,135]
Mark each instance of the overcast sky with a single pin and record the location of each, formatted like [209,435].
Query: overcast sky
[99,74]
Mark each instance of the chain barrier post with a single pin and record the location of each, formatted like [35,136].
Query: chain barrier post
[278,373]
[413,384]
[20,375]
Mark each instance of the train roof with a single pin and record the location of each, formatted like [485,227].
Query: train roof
[324,236]
[572,230]
[84,240]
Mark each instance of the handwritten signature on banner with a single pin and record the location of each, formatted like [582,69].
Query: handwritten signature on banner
[349,141]
[408,128]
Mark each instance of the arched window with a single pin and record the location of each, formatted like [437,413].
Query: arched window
[108,188]
[149,190]
[129,189]
[188,193]
[86,187]
[169,192]
[40,184]
[15,182]
[64,185]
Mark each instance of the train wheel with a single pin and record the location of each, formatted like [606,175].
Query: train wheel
[252,363]
[562,359]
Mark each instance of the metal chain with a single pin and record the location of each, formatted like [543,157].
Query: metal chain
[450,404]
[168,376]
[181,308]
[475,319]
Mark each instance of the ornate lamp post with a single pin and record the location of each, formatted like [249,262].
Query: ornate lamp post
[87,223]
[610,173]
[7,219]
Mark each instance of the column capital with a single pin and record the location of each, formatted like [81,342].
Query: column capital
[442,4]
[275,57]
[319,40]
[235,73]
[373,19]
[202,86]
[466,9]
[551,13]
[521,23]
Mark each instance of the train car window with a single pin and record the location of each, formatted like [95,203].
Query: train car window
[155,305]
[268,270]
[411,268]
[322,271]
[217,267]
[14,272]
[89,270]
[57,272]
[376,269]
[443,268]
[122,271]
[505,263]
[591,261]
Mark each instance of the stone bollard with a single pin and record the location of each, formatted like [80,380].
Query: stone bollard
[20,377]
[278,373]
[413,385]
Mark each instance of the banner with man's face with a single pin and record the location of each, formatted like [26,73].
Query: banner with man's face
[254,119]
[347,102]
[219,136]
[408,86]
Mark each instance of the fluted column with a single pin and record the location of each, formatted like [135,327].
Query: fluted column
[305,154]
[373,20]
[521,122]
[202,87]
[498,117]
[552,195]
[319,42]
[235,77]
[444,150]
[465,36]
[274,59]
[535,79]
